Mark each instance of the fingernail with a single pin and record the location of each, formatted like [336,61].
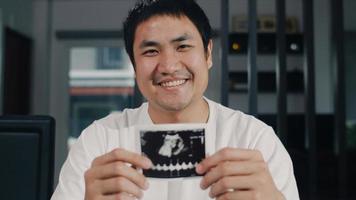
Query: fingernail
[141,195]
[211,194]
[202,186]
[148,163]
[198,169]
[146,185]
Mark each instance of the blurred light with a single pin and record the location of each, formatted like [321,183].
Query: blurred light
[294,47]
[235,46]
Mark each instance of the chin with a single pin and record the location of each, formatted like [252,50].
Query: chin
[173,106]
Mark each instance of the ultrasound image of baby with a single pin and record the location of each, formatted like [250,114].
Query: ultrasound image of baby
[174,153]
[172,146]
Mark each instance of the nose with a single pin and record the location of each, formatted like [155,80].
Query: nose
[168,62]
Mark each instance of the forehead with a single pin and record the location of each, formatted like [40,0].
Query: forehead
[165,27]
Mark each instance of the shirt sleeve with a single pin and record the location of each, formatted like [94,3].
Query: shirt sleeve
[279,163]
[90,144]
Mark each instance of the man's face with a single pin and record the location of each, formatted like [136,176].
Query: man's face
[171,64]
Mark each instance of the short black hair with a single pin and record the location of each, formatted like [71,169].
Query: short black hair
[145,9]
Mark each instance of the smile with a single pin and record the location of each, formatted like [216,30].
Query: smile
[174,83]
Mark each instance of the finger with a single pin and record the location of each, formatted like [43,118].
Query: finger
[116,169]
[237,168]
[239,194]
[226,184]
[122,196]
[120,185]
[124,156]
[227,154]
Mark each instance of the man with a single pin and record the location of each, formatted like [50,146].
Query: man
[169,43]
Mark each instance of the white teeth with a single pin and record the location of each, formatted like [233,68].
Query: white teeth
[172,83]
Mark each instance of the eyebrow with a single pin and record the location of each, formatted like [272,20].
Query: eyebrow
[181,38]
[150,43]
[147,43]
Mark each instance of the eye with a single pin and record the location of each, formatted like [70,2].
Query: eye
[150,52]
[184,47]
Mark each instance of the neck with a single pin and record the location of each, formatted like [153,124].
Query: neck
[195,113]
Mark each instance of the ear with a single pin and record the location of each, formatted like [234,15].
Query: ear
[209,57]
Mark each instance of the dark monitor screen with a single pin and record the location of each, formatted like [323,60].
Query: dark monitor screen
[26,150]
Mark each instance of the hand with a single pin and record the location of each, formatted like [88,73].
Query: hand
[238,174]
[111,176]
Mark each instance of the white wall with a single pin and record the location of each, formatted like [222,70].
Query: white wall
[90,15]
[350,57]
[350,64]
[239,7]
[41,67]
[323,75]
[1,61]
[349,15]
[17,14]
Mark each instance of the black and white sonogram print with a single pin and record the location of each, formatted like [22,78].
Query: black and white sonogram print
[173,153]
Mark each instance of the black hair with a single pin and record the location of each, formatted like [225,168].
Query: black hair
[145,9]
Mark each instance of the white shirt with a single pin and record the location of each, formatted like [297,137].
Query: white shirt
[225,128]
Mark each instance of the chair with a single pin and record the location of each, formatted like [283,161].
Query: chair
[27,157]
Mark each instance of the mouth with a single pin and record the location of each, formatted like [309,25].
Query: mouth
[172,83]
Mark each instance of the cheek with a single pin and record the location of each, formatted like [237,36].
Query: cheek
[144,69]
[197,60]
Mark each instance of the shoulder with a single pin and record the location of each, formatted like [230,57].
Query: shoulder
[238,129]
[236,118]
[103,133]
[127,117]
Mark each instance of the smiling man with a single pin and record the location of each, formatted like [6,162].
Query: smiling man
[172,69]
[169,43]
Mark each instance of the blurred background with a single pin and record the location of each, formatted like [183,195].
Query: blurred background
[66,58]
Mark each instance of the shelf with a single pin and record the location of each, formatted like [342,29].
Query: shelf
[266,43]
[266,82]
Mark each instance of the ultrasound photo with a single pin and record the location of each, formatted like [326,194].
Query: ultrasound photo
[174,153]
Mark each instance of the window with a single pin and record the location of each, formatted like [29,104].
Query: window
[101,82]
